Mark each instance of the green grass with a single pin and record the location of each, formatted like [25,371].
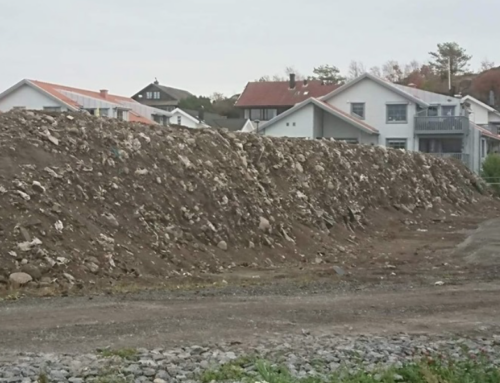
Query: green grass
[429,371]
[124,353]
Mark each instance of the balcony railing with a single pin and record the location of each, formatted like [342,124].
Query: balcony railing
[441,125]
[464,157]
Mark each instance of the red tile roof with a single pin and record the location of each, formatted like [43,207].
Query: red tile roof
[486,132]
[349,116]
[278,93]
[54,90]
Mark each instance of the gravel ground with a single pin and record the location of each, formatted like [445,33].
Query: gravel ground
[303,355]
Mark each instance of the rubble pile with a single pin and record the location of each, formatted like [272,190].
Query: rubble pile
[84,199]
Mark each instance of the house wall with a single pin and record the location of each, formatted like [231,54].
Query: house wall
[29,98]
[249,127]
[336,128]
[185,121]
[376,97]
[492,117]
[479,114]
[303,120]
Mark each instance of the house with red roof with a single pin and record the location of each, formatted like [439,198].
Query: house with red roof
[38,95]
[370,110]
[263,100]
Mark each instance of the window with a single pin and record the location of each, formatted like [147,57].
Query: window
[156,95]
[179,120]
[269,114]
[157,118]
[483,148]
[397,113]
[293,124]
[52,108]
[91,111]
[263,114]
[287,124]
[104,112]
[432,111]
[119,114]
[396,143]
[19,108]
[149,95]
[358,109]
[448,110]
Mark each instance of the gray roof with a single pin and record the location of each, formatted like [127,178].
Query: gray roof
[178,94]
[231,124]
[428,97]
[206,116]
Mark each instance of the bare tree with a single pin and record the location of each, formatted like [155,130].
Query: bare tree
[216,97]
[392,71]
[486,65]
[375,70]
[356,69]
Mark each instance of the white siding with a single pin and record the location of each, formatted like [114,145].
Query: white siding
[300,124]
[479,113]
[185,121]
[376,98]
[339,129]
[29,98]
[248,127]
[492,117]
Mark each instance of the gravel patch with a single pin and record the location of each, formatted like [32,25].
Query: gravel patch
[304,356]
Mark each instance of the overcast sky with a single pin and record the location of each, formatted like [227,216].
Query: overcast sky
[219,45]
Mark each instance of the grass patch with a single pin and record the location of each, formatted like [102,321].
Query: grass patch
[429,371]
[124,353]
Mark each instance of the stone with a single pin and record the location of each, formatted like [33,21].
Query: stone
[264,225]
[339,270]
[20,279]
[222,245]
[32,271]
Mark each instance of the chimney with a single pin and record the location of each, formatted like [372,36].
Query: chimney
[292,80]
[452,92]
[201,114]
[306,81]
[104,93]
[491,98]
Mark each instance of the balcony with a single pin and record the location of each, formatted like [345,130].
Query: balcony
[441,125]
[464,157]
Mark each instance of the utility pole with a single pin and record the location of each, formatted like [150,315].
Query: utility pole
[449,73]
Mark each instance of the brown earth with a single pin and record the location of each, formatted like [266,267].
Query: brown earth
[369,300]
[94,203]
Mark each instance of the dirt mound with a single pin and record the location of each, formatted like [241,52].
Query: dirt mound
[93,200]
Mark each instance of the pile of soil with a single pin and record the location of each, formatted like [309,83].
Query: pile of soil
[86,200]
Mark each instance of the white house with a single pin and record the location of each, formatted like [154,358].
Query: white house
[370,110]
[193,119]
[37,95]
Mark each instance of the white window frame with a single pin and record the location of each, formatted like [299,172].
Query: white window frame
[388,121]
[449,107]
[149,95]
[156,95]
[357,104]
[179,120]
[388,142]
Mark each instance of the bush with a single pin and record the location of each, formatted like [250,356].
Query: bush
[491,171]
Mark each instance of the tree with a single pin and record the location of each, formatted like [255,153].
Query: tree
[329,74]
[356,69]
[375,70]
[216,96]
[486,65]
[195,103]
[392,72]
[450,57]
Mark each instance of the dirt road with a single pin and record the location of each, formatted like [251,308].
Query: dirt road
[153,319]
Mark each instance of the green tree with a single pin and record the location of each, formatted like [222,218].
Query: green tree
[450,55]
[329,74]
[195,103]
[491,170]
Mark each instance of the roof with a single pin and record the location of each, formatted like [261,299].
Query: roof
[206,116]
[430,98]
[399,89]
[356,122]
[69,96]
[486,132]
[278,93]
[486,106]
[231,124]
[178,94]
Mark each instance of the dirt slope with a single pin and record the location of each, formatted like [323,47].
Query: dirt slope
[85,200]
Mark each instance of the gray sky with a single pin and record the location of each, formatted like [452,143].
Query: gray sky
[219,45]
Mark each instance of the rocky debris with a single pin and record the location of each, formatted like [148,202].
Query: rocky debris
[103,200]
[20,279]
[304,356]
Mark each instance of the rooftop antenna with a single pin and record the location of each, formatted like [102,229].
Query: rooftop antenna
[156,81]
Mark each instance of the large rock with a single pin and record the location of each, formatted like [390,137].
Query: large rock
[20,279]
